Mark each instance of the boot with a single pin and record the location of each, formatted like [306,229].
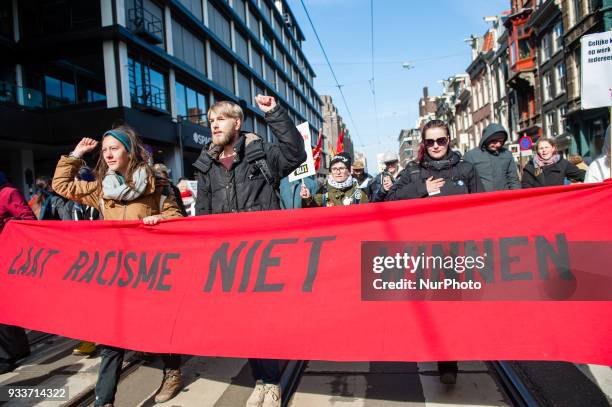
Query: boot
[171,385]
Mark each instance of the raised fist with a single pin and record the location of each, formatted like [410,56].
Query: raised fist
[85,146]
[265,103]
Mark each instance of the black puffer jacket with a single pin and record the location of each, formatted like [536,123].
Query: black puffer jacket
[550,175]
[244,188]
[460,177]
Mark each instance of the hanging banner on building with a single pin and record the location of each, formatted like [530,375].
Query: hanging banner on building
[447,278]
[307,168]
[596,70]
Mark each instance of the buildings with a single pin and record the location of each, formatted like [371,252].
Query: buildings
[479,72]
[586,127]
[455,108]
[332,126]
[409,140]
[525,74]
[547,23]
[74,68]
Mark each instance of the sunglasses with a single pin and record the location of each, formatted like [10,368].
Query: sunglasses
[442,141]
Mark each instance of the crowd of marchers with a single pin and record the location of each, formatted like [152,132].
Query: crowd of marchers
[239,171]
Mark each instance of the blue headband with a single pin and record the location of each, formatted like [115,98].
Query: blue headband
[121,137]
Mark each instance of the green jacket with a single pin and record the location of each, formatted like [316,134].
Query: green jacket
[329,196]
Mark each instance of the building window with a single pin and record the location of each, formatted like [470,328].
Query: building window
[222,71]
[194,7]
[276,26]
[265,10]
[188,48]
[278,56]
[147,20]
[560,80]
[578,10]
[550,124]
[561,119]
[239,9]
[191,104]
[558,36]
[282,90]
[546,47]
[254,24]
[259,89]
[270,77]
[244,87]
[242,47]
[257,64]
[59,92]
[219,24]
[147,86]
[547,86]
[6,20]
[575,60]
[43,18]
[267,43]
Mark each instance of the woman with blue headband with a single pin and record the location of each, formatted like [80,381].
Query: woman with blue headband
[125,188]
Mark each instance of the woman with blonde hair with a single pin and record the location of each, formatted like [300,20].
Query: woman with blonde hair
[125,188]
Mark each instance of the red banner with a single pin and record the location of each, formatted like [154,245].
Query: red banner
[299,284]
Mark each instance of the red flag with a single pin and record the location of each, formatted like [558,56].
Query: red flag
[317,151]
[340,146]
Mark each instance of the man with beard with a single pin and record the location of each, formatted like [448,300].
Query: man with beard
[239,172]
[493,162]
[360,175]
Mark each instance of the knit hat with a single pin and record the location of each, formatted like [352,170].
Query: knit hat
[344,158]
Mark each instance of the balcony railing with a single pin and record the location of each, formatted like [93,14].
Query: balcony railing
[149,96]
[146,25]
[19,95]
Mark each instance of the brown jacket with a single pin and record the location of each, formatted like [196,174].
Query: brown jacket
[90,193]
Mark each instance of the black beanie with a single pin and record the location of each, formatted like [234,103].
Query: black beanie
[343,158]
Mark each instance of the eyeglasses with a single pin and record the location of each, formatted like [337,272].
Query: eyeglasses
[442,141]
[338,169]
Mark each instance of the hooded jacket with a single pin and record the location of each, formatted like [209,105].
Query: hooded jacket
[461,178]
[244,188]
[497,169]
[599,170]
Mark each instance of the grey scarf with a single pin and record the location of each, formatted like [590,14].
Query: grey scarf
[114,186]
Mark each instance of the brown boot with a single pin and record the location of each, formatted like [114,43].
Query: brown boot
[172,384]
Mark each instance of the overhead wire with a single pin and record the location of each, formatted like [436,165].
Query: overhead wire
[348,110]
[372,80]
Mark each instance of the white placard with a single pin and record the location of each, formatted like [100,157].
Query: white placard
[596,68]
[193,186]
[307,168]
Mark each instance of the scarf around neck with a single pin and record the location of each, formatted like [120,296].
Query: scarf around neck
[340,185]
[539,162]
[115,187]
